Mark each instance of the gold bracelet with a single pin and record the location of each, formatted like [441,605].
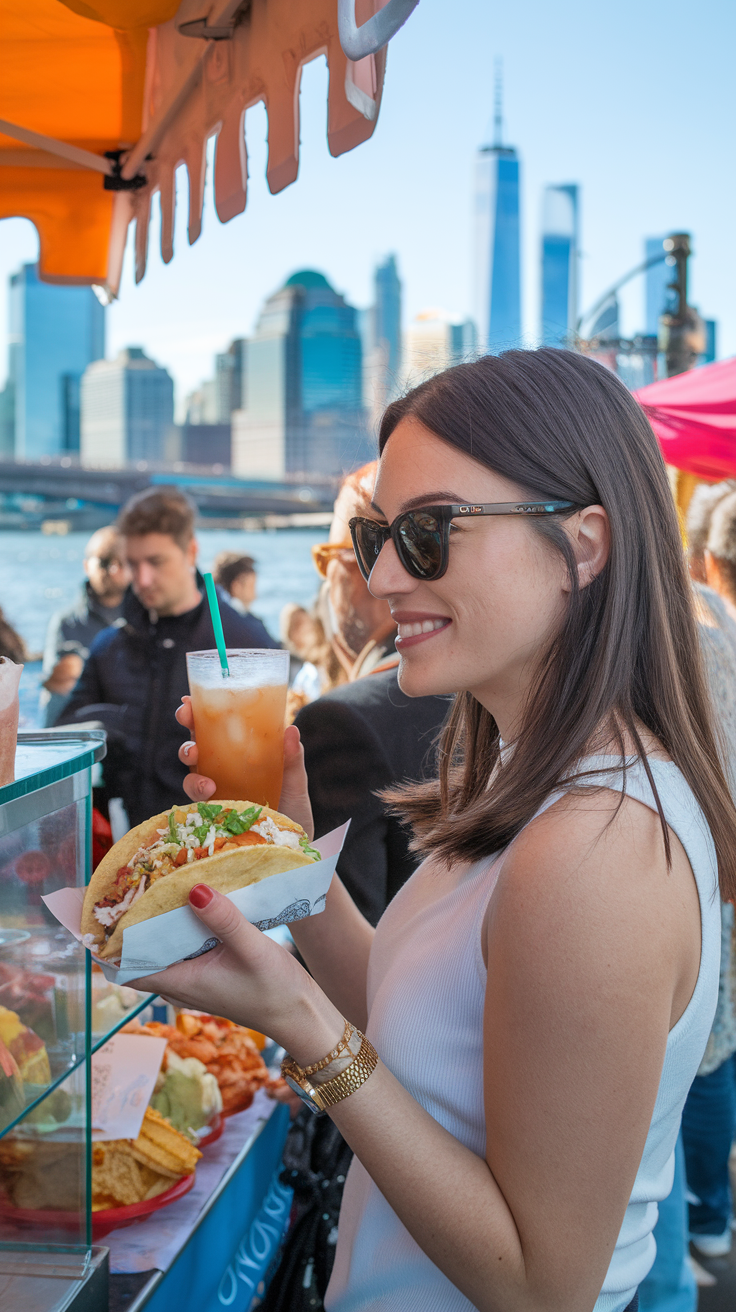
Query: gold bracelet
[332,1056]
[342,1085]
[320,1097]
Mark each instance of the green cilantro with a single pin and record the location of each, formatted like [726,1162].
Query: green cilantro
[308,850]
[209,810]
[200,832]
[240,824]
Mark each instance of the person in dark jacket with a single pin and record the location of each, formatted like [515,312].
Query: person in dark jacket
[71,632]
[358,739]
[136,674]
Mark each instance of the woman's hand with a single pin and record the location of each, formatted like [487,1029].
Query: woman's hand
[294,800]
[252,980]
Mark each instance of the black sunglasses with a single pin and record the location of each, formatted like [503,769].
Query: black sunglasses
[422,537]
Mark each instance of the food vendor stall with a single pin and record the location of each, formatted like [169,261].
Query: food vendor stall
[173,1216]
[100,102]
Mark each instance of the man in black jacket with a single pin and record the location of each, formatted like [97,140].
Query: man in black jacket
[359,738]
[136,674]
[72,631]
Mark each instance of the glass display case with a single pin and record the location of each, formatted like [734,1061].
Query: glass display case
[56,1009]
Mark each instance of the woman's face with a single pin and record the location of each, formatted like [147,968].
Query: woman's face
[504,594]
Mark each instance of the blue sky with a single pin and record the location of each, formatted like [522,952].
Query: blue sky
[635,101]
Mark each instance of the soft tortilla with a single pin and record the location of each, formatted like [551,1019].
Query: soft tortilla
[224,871]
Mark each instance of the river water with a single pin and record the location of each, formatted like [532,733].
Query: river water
[41,575]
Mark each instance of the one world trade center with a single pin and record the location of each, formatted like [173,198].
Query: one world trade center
[496,265]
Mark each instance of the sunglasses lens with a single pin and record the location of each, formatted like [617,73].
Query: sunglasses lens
[420,539]
[368,539]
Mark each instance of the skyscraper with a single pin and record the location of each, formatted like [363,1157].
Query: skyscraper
[303,386]
[380,328]
[560,253]
[656,283]
[55,332]
[387,316]
[127,411]
[436,340]
[496,274]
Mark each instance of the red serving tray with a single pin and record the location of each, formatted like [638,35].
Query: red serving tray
[109,1218]
[217,1125]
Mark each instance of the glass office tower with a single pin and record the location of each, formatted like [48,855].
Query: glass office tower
[560,253]
[127,411]
[387,317]
[304,407]
[55,332]
[380,331]
[497,270]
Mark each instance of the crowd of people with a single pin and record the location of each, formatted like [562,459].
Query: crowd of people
[373,750]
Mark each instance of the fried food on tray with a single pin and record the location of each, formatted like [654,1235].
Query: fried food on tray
[228,1051]
[41,1174]
[163,1148]
[151,870]
[45,1176]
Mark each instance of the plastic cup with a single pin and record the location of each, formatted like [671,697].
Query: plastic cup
[239,721]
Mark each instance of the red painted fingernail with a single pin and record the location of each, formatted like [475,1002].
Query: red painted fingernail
[200,896]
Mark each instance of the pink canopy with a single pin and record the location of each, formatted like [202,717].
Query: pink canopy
[694,417]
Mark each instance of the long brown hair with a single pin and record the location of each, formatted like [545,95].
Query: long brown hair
[560,425]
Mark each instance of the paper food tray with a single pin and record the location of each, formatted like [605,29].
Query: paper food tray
[179,934]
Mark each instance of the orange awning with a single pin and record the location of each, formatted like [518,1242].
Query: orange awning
[122,76]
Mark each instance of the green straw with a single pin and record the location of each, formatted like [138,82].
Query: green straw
[209,583]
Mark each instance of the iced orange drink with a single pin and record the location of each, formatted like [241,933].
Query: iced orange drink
[239,721]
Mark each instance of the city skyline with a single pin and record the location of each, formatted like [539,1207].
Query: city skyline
[407,190]
[336,348]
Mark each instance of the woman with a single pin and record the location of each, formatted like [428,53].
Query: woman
[540,992]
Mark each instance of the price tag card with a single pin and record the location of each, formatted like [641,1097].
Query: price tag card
[124,1073]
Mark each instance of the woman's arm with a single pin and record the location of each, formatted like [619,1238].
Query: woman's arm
[336,946]
[336,943]
[593,949]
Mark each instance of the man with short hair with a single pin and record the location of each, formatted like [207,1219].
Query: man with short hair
[136,675]
[236,575]
[71,632]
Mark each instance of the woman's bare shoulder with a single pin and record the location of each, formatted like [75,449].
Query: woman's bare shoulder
[587,886]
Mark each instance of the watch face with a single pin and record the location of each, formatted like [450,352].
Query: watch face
[308,1102]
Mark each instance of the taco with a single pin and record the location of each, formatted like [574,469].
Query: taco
[227,845]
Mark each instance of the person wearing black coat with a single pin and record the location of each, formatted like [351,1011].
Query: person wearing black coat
[136,674]
[358,739]
[133,682]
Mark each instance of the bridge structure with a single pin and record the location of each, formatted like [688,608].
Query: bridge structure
[58,496]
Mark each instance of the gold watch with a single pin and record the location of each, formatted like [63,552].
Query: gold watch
[321,1096]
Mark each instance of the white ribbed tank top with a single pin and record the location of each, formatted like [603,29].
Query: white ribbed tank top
[426,988]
